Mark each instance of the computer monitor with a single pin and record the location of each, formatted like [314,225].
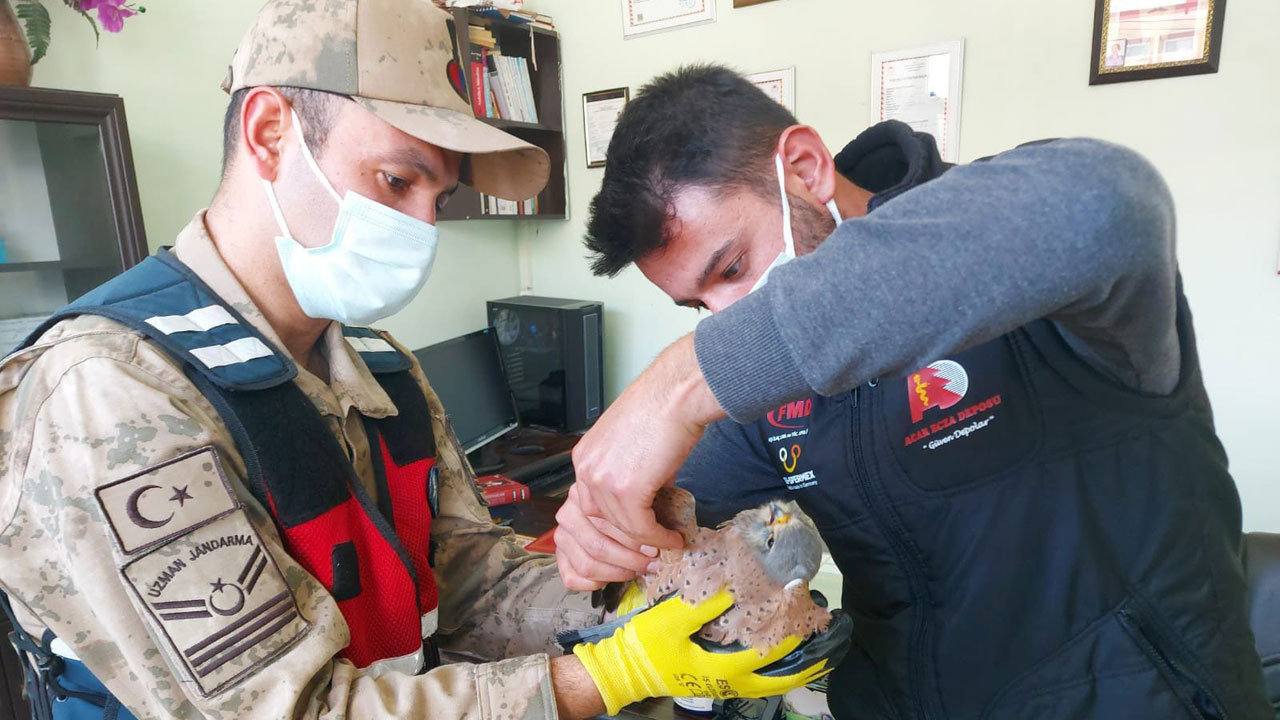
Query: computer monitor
[466,372]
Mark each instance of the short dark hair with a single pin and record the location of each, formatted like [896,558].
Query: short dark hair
[700,125]
[317,109]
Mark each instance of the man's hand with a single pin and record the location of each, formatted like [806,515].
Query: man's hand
[653,654]
[608,531]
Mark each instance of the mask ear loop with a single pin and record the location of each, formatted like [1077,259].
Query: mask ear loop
[275,208]
[315,168]
[835,211]
[786,208]
[789,243]
[311,160]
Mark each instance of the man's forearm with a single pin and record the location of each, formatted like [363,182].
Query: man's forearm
[576,694]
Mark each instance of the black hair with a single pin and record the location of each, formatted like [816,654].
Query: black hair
[316,108]
[700,125]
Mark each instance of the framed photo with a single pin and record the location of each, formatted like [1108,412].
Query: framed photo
[600,113]
[1148,39]
[921,87]
[641,17]
[779,85]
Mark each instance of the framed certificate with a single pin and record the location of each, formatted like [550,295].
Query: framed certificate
[921,87]
[779,85]
[600,113]
[1149,39]
[640,17]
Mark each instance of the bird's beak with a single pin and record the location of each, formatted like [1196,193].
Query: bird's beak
[782,519]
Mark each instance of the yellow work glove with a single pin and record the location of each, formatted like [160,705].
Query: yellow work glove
[653,655]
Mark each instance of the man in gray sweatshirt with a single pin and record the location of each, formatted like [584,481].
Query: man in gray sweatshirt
[980,381]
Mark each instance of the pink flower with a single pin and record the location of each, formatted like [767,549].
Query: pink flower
[111,13]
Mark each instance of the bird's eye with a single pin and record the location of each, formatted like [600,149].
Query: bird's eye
[769,543]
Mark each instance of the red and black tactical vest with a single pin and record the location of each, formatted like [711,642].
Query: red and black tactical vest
[375,558]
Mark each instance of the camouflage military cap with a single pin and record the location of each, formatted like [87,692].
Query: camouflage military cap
[398,59]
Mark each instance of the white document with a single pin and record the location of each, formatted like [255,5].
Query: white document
[646,16]
[921,87]
[601,117]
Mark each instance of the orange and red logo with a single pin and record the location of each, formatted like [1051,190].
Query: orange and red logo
[940,385]
[791,412]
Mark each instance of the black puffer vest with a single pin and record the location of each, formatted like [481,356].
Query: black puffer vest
[1020,537]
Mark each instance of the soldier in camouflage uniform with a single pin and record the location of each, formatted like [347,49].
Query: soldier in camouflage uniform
[131,539]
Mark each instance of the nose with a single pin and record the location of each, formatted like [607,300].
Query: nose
[723,297]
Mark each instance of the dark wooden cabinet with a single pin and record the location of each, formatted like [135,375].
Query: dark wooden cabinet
[69,212]
[69,220]
[523,41]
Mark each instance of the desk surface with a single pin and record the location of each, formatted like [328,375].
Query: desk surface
[499,451]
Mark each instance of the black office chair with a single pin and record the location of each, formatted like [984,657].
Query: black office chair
[1262,567]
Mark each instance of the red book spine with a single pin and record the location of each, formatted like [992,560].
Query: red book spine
[477,88]
[500,490]
[505,495]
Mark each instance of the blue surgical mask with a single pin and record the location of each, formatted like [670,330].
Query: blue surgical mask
[788,242]
[376,262]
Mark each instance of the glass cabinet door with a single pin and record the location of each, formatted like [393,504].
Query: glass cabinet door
[59,224]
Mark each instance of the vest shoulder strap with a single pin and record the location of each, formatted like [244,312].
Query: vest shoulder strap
[379,355]
[165,301]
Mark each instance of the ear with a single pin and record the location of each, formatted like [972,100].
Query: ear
[806,158]
[265,118]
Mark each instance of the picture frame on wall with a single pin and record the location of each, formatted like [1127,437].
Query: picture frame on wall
[922,87]
[1150,39]
[777,84]
[642,17]
[600,112]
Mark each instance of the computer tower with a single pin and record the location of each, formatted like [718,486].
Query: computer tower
[553,356]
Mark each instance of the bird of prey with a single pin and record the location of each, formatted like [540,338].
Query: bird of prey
[765,556]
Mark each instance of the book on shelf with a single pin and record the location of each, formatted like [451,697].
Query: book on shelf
[490,205]
[482,36]
[481,5]
[502,85]
[478,78]
[499,92]
[514,85]
[523,17]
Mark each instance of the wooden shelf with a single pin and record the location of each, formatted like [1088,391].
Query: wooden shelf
[515,40]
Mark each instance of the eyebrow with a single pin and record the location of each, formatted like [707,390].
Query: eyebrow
[712,262]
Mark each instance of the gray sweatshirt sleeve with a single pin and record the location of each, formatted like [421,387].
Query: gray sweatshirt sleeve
[1078,231]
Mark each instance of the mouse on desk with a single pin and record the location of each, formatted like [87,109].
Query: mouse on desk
[527,450]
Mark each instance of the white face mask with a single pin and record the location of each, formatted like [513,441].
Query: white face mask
[788,242]
[377,260]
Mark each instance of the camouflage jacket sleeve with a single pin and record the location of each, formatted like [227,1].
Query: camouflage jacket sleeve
[496,599]
[98,545]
